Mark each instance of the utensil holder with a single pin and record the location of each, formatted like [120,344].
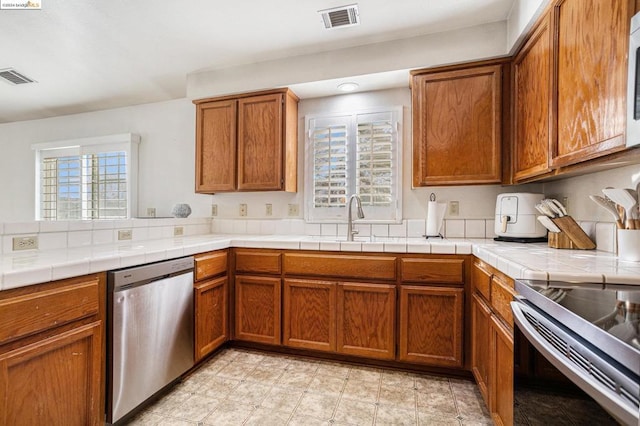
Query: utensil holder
[629,245]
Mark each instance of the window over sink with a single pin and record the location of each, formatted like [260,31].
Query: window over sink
[356,152]
[90,178]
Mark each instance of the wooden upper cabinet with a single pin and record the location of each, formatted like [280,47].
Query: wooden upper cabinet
[247,142]
[457,125]
[216,146]
[260,142]
[532,104]
[591,67]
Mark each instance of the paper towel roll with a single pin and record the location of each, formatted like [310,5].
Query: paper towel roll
[435,214]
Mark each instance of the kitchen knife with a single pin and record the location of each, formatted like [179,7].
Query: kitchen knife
[548,223]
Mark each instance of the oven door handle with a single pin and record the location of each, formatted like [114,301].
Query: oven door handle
[609,400]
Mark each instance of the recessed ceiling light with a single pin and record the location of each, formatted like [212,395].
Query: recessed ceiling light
[348,87]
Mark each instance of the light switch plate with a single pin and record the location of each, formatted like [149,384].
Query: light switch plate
[178,231]
[293,210]
[269,209]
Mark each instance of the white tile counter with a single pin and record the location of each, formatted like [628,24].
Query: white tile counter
[534,261]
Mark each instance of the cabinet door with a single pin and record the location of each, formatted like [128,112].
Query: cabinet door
[532,100]
[216,146]
[431,325]
[310,314]
[260,142]
[55,381]
[501,374]
[591,68]
[366,320]
[257,315]
[480,345]
[457,118]
[211,298]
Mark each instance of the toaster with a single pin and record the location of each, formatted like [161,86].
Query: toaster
[516,217]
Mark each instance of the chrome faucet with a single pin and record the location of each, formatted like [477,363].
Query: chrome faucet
[350,231]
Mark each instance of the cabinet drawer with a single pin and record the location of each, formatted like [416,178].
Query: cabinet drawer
[258,262]
[32,313]
[210,264]
[501,298]
[346,266]
[450,271]
[481,280]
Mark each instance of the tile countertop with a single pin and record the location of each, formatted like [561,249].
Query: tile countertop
[532,261]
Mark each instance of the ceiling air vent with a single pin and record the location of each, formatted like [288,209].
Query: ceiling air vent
[343,16]
[14,77]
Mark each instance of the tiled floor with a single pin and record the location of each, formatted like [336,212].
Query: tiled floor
[240,387]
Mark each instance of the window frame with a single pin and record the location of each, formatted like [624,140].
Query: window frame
[373,215]
[123,142]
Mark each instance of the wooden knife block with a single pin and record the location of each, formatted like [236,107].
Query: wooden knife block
[560,240]
[571,237]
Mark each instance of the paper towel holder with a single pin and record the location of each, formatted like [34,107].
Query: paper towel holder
[432,198]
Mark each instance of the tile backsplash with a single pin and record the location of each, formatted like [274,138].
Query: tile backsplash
[70,234]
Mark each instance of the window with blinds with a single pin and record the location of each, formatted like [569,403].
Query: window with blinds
[86,179]
[355,153]
[90,186]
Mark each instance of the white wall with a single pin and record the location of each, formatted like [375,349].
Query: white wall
[523,15]
[482,41]
[578,189]
[166,165]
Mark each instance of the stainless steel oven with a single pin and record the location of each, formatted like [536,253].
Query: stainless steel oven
[633,85]
[590,333]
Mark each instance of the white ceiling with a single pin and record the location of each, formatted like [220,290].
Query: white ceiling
[90,55]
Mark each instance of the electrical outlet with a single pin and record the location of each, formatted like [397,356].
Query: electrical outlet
[243,210]
[293,210]
[454,208]
[178,231]
[25,243]
[151,212]
[214,210]
[124,234]
[269,209]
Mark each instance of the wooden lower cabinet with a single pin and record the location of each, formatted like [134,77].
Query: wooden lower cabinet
[211,299]
[257,309]
[52,346]
[431,325]
[348,318]
[366,320]
[480,355]
[55,381]
[501,374]
[309,314]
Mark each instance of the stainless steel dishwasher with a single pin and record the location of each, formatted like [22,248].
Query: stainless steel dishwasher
[150,333]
